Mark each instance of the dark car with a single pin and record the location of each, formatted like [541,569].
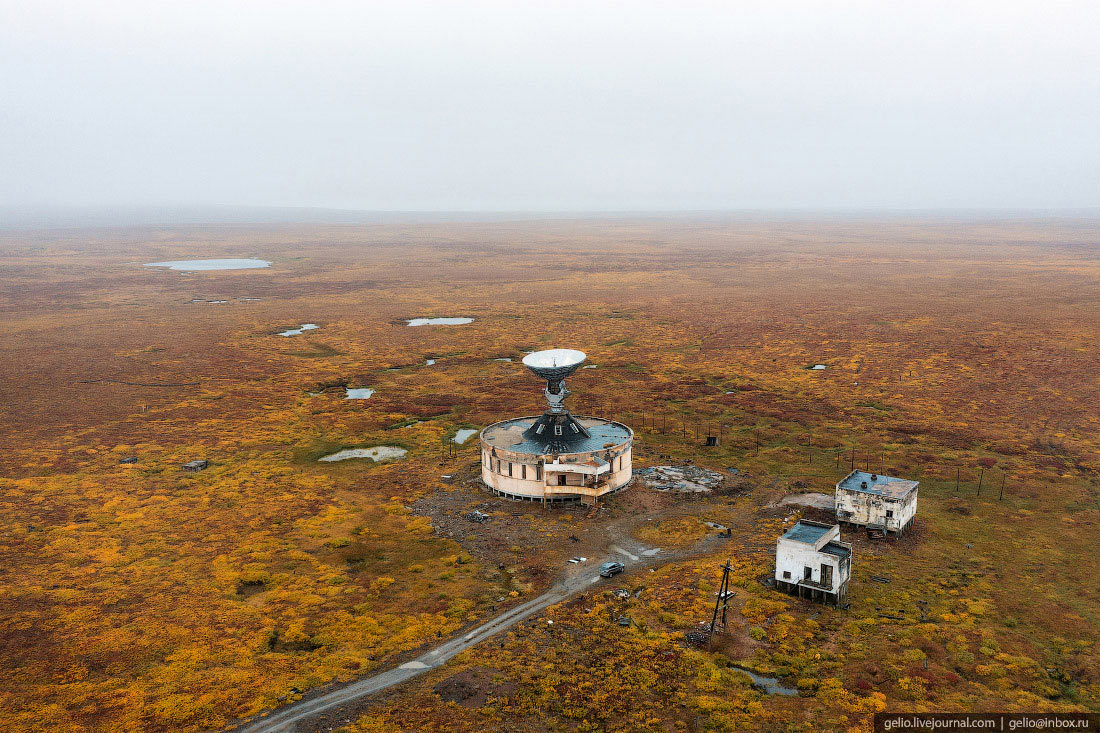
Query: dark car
[611,568]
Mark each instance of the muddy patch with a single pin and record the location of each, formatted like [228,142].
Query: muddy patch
[472,688]
[826,502]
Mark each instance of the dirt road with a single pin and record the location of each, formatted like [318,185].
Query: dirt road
[579,578]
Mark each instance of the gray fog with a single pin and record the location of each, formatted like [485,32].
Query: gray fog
[550,106]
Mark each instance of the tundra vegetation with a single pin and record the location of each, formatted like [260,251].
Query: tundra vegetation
[138,596]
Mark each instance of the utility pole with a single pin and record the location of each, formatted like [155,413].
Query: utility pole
[723,598]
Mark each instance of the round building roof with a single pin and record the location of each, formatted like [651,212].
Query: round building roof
[508,435]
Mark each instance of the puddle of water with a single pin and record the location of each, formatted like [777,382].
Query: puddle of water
[245,264]
[589,366]
[297,331]
[770,685]
[463,435]
[439,321]
[376,454]
[429,362]
[818,367]
[503,359]
[359,393]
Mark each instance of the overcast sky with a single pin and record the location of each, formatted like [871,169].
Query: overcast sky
[550,106]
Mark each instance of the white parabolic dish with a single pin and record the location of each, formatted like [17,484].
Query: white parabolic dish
[554,359]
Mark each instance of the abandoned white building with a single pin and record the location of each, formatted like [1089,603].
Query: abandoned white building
[555,456]
[811,562]
[877,502]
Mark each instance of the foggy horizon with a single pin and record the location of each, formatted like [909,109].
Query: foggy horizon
[343,109]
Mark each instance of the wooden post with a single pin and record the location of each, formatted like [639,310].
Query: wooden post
[958,472]
[981,477]
[1002,496]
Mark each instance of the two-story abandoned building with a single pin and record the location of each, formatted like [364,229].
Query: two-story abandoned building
[877,502]
[811,562]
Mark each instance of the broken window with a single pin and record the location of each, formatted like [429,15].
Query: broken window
[561,479]
[523,471]
[889,513]
[807,573]
[509,468]
[557,430]
[786,574]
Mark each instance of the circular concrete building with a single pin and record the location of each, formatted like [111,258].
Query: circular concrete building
[556,456]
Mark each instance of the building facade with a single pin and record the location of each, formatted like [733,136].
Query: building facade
[811,562]
[877,502]
[527,470]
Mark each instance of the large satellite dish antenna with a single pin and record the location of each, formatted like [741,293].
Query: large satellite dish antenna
[554,365]
[556,428]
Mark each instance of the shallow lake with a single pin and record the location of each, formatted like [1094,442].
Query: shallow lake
[245,264]
[377,453]
[770,685]
[439,321]
[463,435]
[359,393]
[297,331]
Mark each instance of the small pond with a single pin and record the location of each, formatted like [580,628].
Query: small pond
[244,264]
[818,367]
[770,685]
[439,321]
[464,434]
[429,362]
[359,393]
[297,331]
[376,454]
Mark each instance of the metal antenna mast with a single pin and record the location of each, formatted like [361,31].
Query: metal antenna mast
[723,598]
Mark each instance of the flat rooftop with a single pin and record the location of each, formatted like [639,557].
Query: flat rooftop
[508,435]
[888,486]
[805,532]
[836,549]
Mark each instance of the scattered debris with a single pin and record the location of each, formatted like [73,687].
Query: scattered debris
[476,516]
[625,621]
[195,465]
[129,459]
[880,579]
[696,638]
[622,593]
[685,479]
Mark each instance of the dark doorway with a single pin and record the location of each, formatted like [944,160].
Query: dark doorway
[561,479]
[827,575]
